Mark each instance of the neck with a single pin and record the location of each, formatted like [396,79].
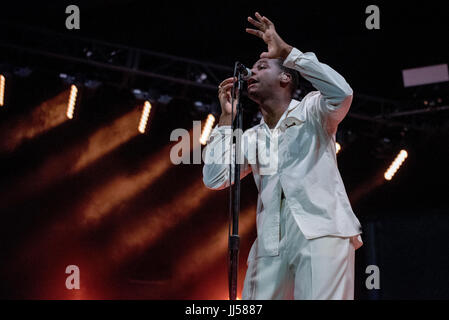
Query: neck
[273,108]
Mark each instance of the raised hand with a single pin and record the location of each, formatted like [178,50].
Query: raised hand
[224,95]
[277,48]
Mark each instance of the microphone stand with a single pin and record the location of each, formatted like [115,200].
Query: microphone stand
[234,189]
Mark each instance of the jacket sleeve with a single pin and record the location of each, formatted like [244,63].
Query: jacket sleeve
[217,159]
[335,96]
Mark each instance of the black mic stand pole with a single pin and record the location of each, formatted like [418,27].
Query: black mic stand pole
[234,201]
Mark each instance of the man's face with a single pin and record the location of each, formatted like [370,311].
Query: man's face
[265,79]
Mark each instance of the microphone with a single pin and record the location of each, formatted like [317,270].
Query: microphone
[244,71]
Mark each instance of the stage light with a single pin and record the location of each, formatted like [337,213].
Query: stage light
[207,129]
[139,94]
[200,78]
[2,90]
[144,117]
[337,147]
[72,101]
[394,167]
[165,99]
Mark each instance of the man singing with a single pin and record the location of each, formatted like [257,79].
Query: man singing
[306,230]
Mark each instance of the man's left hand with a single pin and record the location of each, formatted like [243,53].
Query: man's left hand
[277,48]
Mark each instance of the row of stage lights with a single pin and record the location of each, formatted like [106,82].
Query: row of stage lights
[71,104]
[143,118]
[205,132]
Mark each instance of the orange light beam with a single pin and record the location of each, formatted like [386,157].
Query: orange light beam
[143,233]
[86,212]
[44,117]
[205,255]
[97,206]
[122,188]
[106,139]
[75,157]
[198,259]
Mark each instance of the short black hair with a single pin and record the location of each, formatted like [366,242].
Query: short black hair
[293,73]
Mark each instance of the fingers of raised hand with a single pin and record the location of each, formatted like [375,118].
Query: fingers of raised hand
[255,23]
[258,16]
[263,24]
[263,21]
[267,21]
[226,85]
[226,81]
[255,32]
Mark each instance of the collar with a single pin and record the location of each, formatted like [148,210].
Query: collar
[292,113]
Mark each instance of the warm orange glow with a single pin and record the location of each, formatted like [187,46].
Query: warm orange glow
[106,139]
[2,90]
[394,167]
[142,233]
[121,188]
[144,117]
[49,114]
[72,101]
[76,157]
[212,248]
[207,129]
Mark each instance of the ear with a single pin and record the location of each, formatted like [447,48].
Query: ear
[285,77]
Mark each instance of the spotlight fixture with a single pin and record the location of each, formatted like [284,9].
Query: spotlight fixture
[139,94]
[145,95]
[144,117]
[165,99]
[394,167]
[201,78]
[72,101]
[2,90]
[207,129]
[67,78]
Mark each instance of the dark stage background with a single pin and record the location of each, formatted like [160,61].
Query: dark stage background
[94,192]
